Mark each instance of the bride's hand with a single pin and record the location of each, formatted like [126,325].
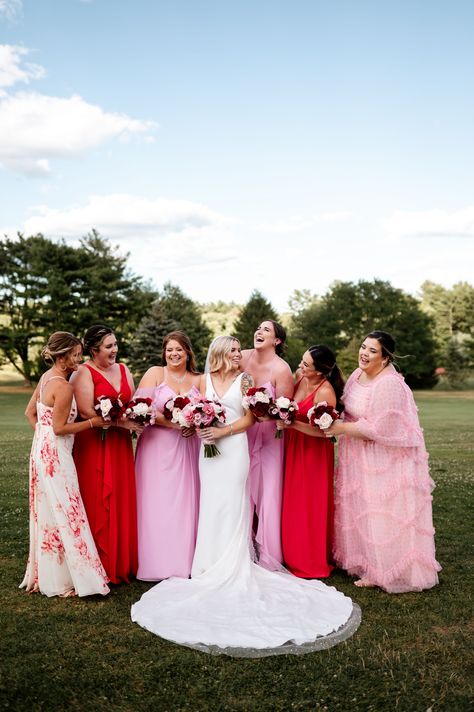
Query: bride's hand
[209,435]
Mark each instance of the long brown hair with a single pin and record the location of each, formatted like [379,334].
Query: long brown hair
[325,362]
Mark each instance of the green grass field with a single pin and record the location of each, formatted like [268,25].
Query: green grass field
[410,653]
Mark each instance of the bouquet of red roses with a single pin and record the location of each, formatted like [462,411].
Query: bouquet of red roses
[110,408]
[203,413]
[322,416]
[257,401]
[139,410]
[283,409]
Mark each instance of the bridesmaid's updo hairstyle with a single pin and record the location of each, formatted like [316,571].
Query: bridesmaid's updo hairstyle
[280,333]
[94,336]
[184,341]
[59,344]
[325,362]
[387,342]
[218,352]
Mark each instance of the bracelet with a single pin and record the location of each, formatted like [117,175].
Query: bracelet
[231,431]
[90,423]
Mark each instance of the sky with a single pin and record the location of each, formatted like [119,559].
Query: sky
[253,144]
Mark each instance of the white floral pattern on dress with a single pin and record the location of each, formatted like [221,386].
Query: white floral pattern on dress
[63,556]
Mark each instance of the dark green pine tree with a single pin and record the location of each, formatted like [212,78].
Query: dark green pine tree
[256,310]
[172,310]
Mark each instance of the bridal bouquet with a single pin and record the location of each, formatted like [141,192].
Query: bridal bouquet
[283,409]
[111,409]
[257,401]
[173,411]
[322,416]
[204,413]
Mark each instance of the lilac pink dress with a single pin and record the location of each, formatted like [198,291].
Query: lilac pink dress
[167,495]
[308,500]
[383,520]
[106,473]
[63,557]
[266,486]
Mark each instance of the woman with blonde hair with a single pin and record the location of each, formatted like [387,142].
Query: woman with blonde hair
[63,559]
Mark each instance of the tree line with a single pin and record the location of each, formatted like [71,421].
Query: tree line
[47,285]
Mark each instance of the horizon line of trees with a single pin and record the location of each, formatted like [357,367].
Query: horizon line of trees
[47,286]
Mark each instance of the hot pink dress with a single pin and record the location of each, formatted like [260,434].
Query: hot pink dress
[383,527]
[266,487]
[167,478]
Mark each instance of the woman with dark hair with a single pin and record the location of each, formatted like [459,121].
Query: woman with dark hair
[308,504]
[383,521]
[167,469]
[270,371]
[63,559]
[105,465]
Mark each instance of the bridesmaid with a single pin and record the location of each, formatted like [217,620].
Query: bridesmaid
[308,505]
[63,558]
[167,469]
[268,370]
[105,465]
[384,526]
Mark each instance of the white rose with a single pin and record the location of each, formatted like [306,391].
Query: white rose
[325,421]
[262,397]
[140,409]
[105,407]
[282,402]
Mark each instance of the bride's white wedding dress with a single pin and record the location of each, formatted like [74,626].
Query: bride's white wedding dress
[231,604]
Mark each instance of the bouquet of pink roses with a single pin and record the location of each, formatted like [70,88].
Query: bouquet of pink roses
[283,409]
[111,409]
[322,416]
[257,401]
[203,413]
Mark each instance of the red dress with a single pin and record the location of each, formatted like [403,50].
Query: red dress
[106,474]
[308,504]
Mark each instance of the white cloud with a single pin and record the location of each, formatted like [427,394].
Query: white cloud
[11,72]
[163,236]
[299,224]
[431,223]
[35,129]
[11,9]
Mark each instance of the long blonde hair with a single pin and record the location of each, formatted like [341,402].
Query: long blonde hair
[217,353]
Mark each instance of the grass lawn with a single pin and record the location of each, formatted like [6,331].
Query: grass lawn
[410,653]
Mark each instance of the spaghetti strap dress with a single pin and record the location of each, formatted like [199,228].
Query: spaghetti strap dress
[62,558]
[308,500]
[106,474]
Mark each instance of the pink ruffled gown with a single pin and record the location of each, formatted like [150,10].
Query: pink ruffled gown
[383,527]
[266,487]
[167,478]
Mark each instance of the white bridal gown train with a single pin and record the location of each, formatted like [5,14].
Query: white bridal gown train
[231,604]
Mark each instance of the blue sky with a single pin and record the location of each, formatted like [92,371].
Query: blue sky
[232,145]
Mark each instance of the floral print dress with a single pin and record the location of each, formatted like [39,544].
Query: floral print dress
[63,558]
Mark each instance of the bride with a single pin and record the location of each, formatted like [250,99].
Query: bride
[231,604]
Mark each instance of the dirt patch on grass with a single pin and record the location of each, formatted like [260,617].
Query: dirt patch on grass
[16,389]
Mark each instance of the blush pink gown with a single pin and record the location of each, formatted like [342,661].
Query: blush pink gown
[266,487]
[383,526]
[167,496]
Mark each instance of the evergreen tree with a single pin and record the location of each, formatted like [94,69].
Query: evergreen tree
[47,286]
[256,310]
[349,311]
[172,310]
